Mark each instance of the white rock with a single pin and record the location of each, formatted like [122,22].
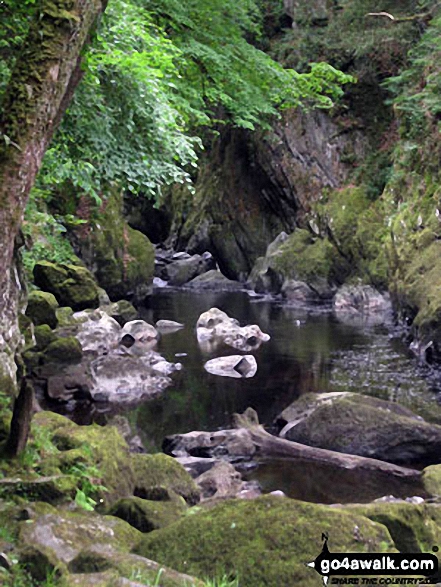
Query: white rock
[236,366]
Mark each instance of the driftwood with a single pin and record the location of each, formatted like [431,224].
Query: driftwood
[273,447]
[423,17]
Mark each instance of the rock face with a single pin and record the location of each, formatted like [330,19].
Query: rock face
[71,285]
[121,258]
[250,188]
[361,425]
[215,327]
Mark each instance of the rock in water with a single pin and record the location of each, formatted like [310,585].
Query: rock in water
[361,425]
[216,327]
[236,366]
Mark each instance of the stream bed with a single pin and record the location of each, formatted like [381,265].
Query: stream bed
[309,351]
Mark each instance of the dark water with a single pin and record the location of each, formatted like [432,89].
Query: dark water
[320,354]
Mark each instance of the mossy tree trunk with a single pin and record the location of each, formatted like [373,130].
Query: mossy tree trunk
[41,86]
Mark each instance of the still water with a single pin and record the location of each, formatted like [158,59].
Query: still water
[309,351]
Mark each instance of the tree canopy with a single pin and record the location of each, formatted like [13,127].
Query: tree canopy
[157,75]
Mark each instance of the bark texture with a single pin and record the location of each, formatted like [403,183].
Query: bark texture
[41,86]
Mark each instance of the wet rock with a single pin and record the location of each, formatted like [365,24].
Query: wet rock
[361,299]
[196,465]
[165,326]
[122,311]
[222,480]
[72,285]
[215,326]
[361,425]
[98,332]
[236,366]
[42,308]
[299,292]
[184,269]
[214,280]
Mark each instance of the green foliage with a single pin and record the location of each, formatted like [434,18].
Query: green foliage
[158,71]
[45,234]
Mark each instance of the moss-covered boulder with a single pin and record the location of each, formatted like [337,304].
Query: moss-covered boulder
[432,480]
[73,286]
[42,308]
[146,515]
[87,549]
[95,454]
[266,541]
[300,257]
[122,258]
[44,336]
[66,350]
[122,311]
[153,472]
[357,424]
[413,527]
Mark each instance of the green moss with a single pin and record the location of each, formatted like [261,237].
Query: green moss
[266,541]
[159,470]
[64,316]
[305,257]
[43,337]
[123,256]
[72,285]
[64,350]
[432,480]
[413,528]
[145,515]
[41,308]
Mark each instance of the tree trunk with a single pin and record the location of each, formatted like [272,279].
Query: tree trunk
[21,420]
[41,86]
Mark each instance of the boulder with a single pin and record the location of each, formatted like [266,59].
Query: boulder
[158,474]
[64,350]
[167,326]
[183,270]
[237,366]
[361,425]
[42,308]
[299,265]
[361,299]
[123,378]
[146,515]
[236,537]
[72,286]
[214,280]
[98,333]
[121,258]
[222,481]
[122,311]
[216,327]
[87,550]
